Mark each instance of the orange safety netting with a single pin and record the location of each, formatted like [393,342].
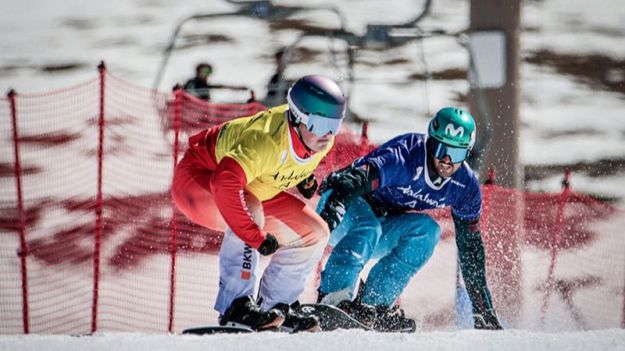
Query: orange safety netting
[91,240]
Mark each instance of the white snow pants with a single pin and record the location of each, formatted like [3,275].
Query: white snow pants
[302,236]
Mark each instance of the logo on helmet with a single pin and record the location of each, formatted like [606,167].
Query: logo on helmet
[454,131]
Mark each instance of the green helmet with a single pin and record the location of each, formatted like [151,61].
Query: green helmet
[453,127]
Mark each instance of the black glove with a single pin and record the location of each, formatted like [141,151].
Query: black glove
[348,183]
[486,320]
[308,186]
[269,245]
[333,212]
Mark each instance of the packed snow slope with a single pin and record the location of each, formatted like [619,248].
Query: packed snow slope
[512,340]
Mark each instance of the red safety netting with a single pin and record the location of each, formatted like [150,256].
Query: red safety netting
[91,240]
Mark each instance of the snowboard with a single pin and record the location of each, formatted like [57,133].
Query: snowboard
[217,329]
[330,317]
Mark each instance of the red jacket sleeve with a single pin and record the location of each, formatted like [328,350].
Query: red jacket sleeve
[227,184]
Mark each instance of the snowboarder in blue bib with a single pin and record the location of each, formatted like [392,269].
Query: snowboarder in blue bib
[373,210]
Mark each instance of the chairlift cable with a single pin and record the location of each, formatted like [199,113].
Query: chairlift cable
[426,72]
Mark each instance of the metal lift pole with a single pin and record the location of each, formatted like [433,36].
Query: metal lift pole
[489,19]
[494,42]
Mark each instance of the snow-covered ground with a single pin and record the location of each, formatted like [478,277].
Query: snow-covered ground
[604,340]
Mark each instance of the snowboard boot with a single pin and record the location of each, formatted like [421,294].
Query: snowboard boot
[363,313]
[244,311]
[297,322]
[392,319]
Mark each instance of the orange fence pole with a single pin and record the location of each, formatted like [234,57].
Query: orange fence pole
[173,238]
[21,226]
[99,205]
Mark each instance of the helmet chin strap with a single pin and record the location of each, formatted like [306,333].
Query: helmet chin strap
[293,119]
[295,125]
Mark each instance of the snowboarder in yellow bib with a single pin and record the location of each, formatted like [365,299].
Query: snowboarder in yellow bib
[233,177]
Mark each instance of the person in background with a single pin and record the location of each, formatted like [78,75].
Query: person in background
[235,176]
[373,209]
[276,87]
[199,86]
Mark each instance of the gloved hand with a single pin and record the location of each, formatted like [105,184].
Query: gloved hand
[269,245]
[343,186]
[486,320]
[333,212]
[308,186]
[346,183]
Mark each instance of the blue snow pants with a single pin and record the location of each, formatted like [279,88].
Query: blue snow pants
[403,242]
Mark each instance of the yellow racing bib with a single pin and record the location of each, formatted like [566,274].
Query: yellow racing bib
[262,146]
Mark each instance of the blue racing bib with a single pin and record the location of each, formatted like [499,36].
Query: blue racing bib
[405,182]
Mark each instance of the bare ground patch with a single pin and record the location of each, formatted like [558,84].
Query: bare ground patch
[596,169]
[597,71]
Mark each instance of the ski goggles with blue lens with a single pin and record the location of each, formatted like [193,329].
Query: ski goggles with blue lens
[456,154]
[316,124]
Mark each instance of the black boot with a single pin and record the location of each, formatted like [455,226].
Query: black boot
[297,322]
[243,310]
[320,296]
[361,312]
[393,320]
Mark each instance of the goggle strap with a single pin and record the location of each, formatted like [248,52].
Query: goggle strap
[300,117]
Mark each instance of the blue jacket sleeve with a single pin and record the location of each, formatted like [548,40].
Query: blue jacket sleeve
[392,159]
[469,205]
